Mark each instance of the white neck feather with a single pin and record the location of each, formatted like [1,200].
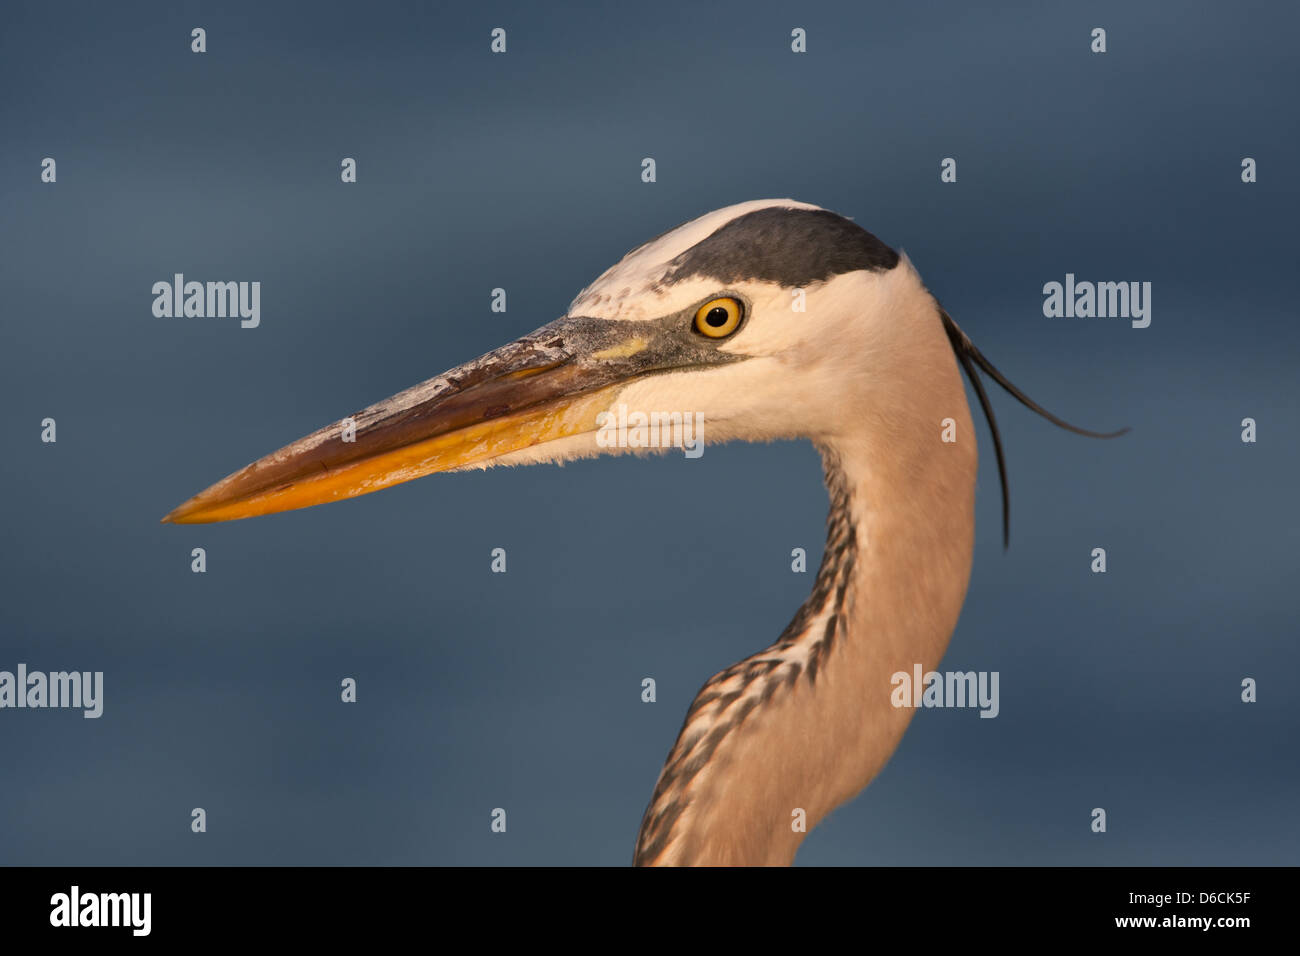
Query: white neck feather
[807,723]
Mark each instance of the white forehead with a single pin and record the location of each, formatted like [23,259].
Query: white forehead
[630,289]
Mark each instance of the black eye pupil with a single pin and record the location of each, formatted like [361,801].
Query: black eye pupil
[717,317]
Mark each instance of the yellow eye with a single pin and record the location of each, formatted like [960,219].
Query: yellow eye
[717,318]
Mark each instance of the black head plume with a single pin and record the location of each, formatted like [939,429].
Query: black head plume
[970,357]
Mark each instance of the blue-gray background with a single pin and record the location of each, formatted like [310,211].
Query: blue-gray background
[522,690]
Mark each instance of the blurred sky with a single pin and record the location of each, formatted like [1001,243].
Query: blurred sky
[522,690]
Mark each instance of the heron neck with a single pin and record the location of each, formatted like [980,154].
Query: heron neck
[773,744]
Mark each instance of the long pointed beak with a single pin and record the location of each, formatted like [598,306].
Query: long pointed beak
[549,385]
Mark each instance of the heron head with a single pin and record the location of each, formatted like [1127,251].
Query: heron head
[736,320]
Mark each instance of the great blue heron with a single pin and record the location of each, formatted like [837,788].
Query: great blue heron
[774,319]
